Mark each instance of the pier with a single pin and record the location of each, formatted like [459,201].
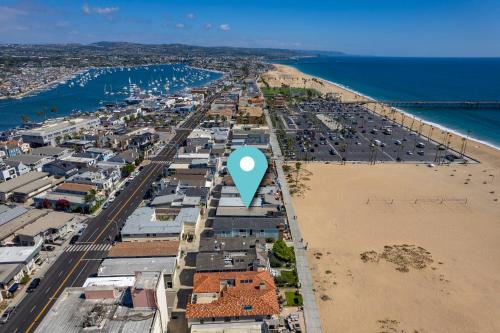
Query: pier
[490,105]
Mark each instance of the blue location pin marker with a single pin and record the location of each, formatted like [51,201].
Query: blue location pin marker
[247,166]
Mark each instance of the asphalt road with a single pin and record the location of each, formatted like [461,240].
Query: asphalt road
[71,269]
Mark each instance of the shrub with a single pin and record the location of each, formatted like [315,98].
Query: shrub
[293,298]
[24,279]
[283,252]
[274,262]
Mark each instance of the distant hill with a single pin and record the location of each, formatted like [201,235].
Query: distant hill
[135,49]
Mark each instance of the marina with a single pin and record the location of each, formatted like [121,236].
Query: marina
[88,90]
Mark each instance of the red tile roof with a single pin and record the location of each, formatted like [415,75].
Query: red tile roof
[253,294]
[144,249]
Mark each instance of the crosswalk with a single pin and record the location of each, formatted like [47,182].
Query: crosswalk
[87,247]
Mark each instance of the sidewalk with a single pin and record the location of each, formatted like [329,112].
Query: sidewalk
[311,315]
[49,257]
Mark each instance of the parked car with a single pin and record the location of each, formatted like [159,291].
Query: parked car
[48,247]
[74,239]
[33,285]
[7,314]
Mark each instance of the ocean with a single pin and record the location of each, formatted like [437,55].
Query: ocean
[89,90]
[424,79]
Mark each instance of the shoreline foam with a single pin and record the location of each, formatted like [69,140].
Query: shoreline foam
[407,113]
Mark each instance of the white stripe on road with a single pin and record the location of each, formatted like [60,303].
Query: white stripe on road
[88,247]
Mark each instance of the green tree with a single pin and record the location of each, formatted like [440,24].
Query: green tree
[90,197]
[127,169]
[283,252]
[298,167]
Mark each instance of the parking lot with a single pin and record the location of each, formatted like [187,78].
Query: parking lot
[328,131]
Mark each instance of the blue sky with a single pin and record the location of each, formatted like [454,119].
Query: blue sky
[366,27]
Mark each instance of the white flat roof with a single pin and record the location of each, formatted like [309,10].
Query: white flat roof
[115,281]
[17,254]
[128,266]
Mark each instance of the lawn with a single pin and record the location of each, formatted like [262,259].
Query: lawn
[287,279]
[293,299]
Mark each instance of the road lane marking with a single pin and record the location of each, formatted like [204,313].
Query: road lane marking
[111,220]
[44,308]
[33,308]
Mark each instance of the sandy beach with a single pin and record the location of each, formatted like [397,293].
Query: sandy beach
[292,77]
[402,247]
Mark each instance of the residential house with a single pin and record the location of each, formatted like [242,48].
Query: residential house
[68,197]
[52,152]
[264,227]
[34,162]
[60,168]
[15,262]
[232,254]
[104,179]
[232,297]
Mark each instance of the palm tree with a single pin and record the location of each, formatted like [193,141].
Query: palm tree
[298,166]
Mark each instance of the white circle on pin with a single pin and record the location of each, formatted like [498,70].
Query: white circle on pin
[247,164]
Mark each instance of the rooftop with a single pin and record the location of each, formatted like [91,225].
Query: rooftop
[38,185]
[240,294]
[144,249]
[28,159]
[17,182]
[56,125]
[75,187]
[9,213]
[54,196]
[245,212]
[128,266]
[143,221]
[73,313]
[53,220]
[20,221]
[238,202]
[224,223]
[229,243]
[49,151]
[115,281]
[18,254]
